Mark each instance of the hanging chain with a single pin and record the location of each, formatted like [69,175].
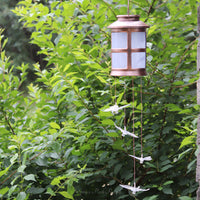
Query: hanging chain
[128,7]
[133,132]
[115,91]
[141,113]
[125,107]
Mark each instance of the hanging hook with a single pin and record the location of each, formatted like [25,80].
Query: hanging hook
[128,6]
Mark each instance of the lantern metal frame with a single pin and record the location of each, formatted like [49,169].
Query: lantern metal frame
[128,24]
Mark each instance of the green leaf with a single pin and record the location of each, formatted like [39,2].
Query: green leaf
[56,180]
[186,141]
[30,177]
[166,168]
[11,147]
[3,191]
[56,147]
[14,158]
[41,162]
[167,190]
[50,191]
[118,144]
[192,3]
[66,195]
[68,9]
[184,153]
[154,197]
[112,134]
[21,168]
[4,171]
[173,107]
[120,97]
[54,125]
[70,189]
[107,122]
[101,79]
[11,190]
[191,165]
[168,183]
[35,190]
[117,168]
[67,153]
[185,198]
[85,4]
[21,196]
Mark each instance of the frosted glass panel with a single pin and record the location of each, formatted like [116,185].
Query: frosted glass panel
[138,60]
[119,60]
[119,40]
[138,40]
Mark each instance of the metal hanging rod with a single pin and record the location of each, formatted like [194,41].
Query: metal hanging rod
[128,7]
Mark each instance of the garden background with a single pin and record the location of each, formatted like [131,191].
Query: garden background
[55,140]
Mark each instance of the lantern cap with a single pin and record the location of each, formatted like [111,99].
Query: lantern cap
[128,21]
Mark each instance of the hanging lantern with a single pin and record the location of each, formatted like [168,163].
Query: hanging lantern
[128,46]
[129,59]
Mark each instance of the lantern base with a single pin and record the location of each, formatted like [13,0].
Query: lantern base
[136,72]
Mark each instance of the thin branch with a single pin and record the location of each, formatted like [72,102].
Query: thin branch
[34,157]
[150,9]
[13,173]
[156,70]
[161,4]
[183,56]
[150,93]
[182,86]
[8,123]
[110,8]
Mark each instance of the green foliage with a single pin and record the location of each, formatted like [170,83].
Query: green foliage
[17,45]
[59,142]
[18,48]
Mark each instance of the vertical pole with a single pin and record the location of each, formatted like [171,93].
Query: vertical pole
[198,102]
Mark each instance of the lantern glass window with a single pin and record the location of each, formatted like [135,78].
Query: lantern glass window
[119,40]
[119,60]
[138,40]
[138,60]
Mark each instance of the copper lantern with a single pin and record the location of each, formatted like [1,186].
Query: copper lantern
[128,46]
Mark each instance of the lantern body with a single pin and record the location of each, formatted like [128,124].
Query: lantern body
[128,46]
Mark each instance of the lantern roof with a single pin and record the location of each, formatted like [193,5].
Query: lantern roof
[128,21]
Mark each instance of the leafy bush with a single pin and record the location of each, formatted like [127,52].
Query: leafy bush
[57,143]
